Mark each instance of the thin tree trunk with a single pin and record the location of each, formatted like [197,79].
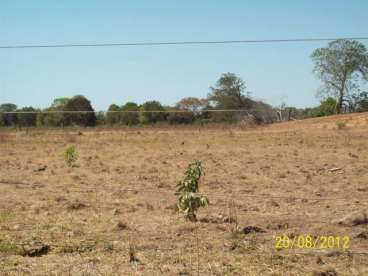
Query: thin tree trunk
[341,96]
[339,103]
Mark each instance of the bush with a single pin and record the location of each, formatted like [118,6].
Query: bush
[340,124]
[189,202]
[70,155]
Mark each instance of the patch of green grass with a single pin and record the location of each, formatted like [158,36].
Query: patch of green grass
[228,269]
[240,245]
[6,217]
[8,247]
[108,246]
[46,226]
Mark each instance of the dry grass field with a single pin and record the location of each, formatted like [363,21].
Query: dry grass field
[112,213]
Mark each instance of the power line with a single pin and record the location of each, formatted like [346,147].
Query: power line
[171,43]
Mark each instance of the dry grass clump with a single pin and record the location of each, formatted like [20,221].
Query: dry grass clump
[341,125]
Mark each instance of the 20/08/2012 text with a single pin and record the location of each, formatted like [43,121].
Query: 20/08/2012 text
[312,242]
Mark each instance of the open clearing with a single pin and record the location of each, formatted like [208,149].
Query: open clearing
[292,178]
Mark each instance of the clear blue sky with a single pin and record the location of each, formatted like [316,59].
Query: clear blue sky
[272,72]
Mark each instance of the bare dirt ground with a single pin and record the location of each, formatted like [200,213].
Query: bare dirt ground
[112,213]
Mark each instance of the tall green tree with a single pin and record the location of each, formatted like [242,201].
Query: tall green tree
[8,119]
[113,115]
[153,117]
[229,93]
[79,103]
[340,66]
[130,114]
[59,103]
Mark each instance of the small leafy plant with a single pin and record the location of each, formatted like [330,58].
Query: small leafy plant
[341,124]
[70,155]
[189,201]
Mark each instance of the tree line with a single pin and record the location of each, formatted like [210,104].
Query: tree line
[341,66]
[229,93]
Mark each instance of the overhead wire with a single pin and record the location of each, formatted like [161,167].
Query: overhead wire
[171,43]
